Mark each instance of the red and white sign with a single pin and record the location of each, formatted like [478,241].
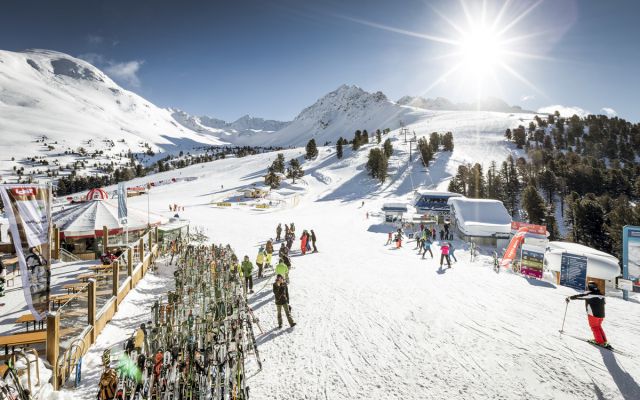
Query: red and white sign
[531,228]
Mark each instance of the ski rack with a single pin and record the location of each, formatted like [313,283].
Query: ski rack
[199,338]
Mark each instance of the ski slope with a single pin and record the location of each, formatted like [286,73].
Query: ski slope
[380,323]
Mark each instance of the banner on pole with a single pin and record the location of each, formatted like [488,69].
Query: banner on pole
[573,271]
[631,257]
[122,203]
[28,208]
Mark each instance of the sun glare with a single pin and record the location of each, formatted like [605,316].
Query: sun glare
[483,44]
[481,51]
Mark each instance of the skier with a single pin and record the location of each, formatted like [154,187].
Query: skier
[441,234]
[303,242]
[282,269]
[292,228]
[281,295]
[399,238]
[278,232]
[247,268]
[389,239]
[269,251]
[594,305]
[426,243]
[290,238]
[451,251]
[260,259]
[444,254]
[283,254]
[313,241]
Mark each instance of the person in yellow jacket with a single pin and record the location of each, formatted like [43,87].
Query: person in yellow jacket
[269,250]
[282,269]
[260,260]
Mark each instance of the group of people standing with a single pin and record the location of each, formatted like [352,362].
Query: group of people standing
[307,239]
[425,237]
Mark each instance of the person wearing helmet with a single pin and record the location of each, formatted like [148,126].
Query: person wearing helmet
[594,305]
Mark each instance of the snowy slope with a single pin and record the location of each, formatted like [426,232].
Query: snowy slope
[70,102]
[379,323]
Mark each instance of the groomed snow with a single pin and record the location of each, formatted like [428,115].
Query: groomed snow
[379,323]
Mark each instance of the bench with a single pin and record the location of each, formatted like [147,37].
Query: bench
[61,298]
[74,287]
[27,319]
[86,276]
[22,339]
[100,267]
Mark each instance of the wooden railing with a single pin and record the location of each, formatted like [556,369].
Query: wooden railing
[137,267]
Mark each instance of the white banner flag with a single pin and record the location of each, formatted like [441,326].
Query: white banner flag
[28,209]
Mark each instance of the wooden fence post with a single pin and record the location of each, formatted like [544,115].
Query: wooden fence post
[130,266]
[156,234]
[91,309]
[56,242]
[115,269]
[53,345]
[105,239]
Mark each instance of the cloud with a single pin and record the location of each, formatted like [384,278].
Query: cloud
[527,97]
[95,39]
[124,72]
[565,111]
[609,112]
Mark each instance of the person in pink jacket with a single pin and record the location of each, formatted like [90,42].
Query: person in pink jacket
[444,254]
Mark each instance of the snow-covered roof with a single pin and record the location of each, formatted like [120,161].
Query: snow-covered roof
[395,207]
[600,265]
[480,217]
[437,193]
[88,219]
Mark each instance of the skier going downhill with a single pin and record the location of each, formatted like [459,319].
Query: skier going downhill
[594,305]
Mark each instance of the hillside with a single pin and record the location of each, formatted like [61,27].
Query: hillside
[52,103]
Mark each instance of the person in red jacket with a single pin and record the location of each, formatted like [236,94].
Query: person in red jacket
[594,305]
[303,242]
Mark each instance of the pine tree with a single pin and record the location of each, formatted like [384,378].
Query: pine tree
[377,164]
[312,149]
[507,134]
[365,136]
[339,148]
[425,151]
[447,141]
[551,223]
[388,148]
[548,182]
[272,179]
[378,136]
[588,225]
[295,170]
[475,182]
[357,141]
[434,142]
[533,205]
[509,177]
[278,163]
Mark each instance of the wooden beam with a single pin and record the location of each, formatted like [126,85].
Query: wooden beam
[53,345]
[91,309]
[130,265]
[56,243]
[115,269]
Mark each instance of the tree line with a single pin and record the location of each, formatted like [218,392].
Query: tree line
[582,169]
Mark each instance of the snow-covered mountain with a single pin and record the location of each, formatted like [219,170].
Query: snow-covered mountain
[342,112]
[441,103]
[71,104]
[244,127]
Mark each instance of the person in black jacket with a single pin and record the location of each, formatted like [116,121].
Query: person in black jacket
[313,241]
[281,295]
[594,305]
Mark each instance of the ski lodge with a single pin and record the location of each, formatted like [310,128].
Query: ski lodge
[483,221]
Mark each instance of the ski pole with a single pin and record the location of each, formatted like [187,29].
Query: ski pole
[565,317]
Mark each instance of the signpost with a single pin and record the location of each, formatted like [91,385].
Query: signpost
[573,271]
[631,253]
[532,258]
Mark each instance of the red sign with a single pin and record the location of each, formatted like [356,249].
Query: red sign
[24,191]
[531,228]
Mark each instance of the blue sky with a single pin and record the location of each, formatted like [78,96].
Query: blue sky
[273,58]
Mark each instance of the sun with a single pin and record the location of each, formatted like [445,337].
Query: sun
[481,51]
